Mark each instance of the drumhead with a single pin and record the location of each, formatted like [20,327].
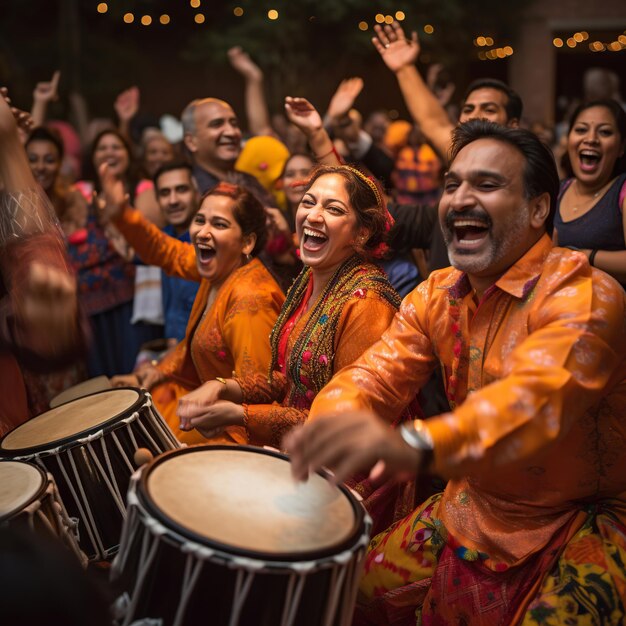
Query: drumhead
[20,484]
[71,420]
[244,500]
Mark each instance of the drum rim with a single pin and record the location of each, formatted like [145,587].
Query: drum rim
[66,442]
[37,496]
[146,501]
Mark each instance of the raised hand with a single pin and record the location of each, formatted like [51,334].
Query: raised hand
[395,49]
[127,104]
[47,91]
[242,63]
[113,199]
[12,118]
[344,97]
[444,94]
[303,114]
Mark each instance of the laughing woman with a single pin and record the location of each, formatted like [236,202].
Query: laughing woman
[591,213]
[236,306]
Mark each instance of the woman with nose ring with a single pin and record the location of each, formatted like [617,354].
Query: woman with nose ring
[339,305]
[235,308]
[591,211]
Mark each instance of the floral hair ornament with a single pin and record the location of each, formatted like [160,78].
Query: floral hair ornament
[382,248]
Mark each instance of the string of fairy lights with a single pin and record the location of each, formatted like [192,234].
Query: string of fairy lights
[488,49]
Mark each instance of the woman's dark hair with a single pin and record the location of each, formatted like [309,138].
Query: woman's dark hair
[369,206]
[620,121]
[540,174]
[247,210]
[132,175]
[41,133]
[292,155]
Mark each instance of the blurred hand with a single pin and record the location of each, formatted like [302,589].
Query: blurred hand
[12,118]
[277,220]
[47,310]
[46,91]
[113,199]
[303,114]
[211,420]
[443,93]
[127,104]
[195,403]
[242,63]
[395,49]
[343,99]
[125,380]
[347,444]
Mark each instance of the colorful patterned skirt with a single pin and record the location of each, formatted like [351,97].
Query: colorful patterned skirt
[417,575]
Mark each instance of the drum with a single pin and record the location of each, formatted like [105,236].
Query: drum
[29,498]
[222,535]
[86,388]
[88,446]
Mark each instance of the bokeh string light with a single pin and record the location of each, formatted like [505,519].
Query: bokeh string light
[571,41]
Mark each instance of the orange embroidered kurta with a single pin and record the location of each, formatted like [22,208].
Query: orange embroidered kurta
[538,428]
[231,335]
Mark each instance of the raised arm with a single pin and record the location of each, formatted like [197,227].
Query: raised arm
[256,105]
[305,116]
[126,106]
[400,55]
[40,317]
[44,93]
[153,246]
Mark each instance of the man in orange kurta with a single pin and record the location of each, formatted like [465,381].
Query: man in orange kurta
[532,340]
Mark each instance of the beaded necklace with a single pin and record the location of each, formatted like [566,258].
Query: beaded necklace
[310,361]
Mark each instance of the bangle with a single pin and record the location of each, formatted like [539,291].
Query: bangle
[592,257]
[219,379]
[323,156]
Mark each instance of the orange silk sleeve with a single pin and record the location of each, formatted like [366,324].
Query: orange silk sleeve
[576,341]
[154,247]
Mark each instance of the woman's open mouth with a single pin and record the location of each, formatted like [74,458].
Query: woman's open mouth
[205,253]
[313,240]
[589,160]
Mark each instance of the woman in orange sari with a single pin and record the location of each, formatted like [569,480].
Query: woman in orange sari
[236,306]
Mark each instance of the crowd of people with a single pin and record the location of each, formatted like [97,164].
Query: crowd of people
[386,299]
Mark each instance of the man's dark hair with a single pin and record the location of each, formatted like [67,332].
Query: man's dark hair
[513,106]
[170,167]
[540,173]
